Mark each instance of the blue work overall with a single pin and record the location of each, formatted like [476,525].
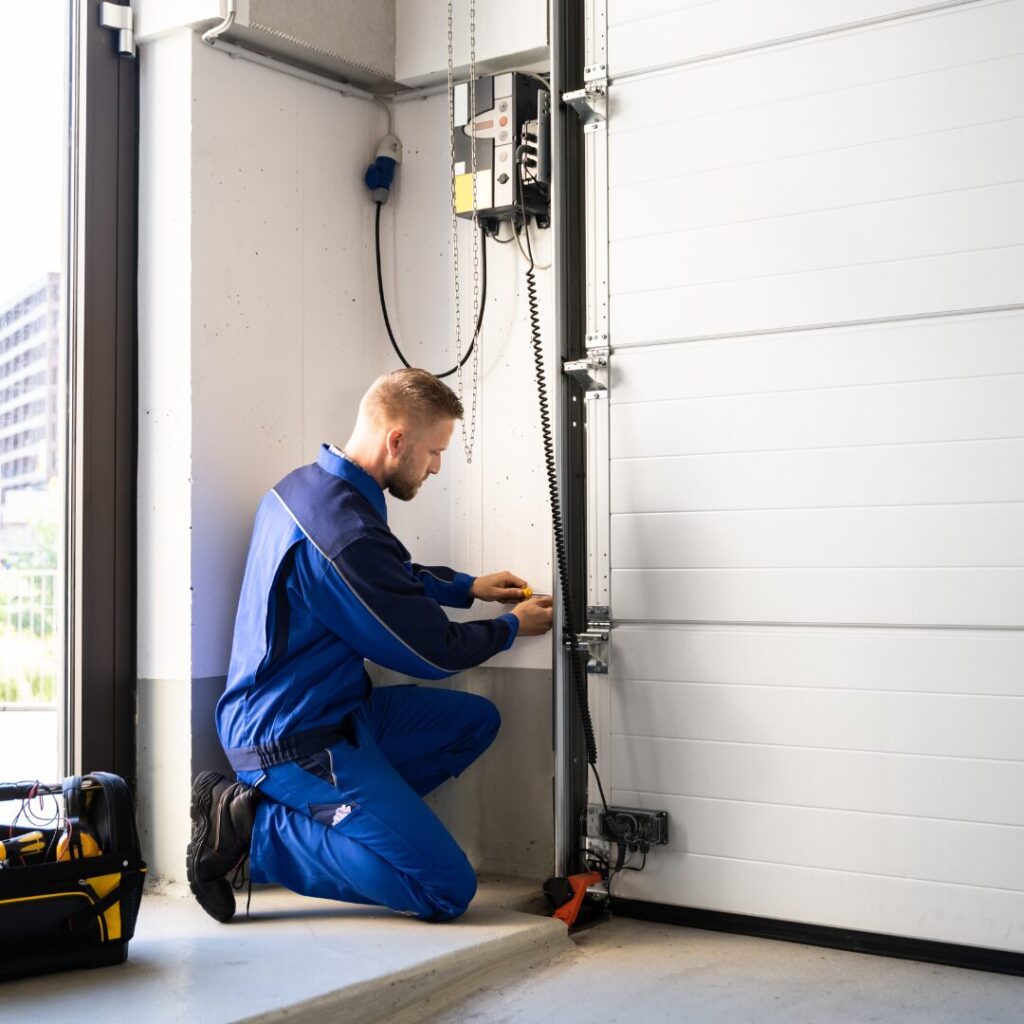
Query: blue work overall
[344,766]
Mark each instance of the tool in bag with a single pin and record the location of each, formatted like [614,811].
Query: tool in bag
[70,886]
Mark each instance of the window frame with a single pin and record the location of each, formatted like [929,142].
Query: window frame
[102,407]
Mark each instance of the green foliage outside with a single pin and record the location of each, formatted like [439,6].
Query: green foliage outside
[29,652]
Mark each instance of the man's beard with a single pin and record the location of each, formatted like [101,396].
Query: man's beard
[403,483]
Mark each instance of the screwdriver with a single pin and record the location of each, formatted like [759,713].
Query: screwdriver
[30,842]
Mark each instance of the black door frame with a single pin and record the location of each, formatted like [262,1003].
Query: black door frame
[100,284]
[567,199]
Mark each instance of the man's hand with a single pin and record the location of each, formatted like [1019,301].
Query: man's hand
[499,586]
[534,616]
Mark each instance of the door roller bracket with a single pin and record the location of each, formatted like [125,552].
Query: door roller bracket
[594,640]
[592,372]
[590,102]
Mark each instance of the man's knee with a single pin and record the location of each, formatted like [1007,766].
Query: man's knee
[487,720]
[450,899]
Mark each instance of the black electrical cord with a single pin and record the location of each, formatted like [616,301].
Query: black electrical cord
[384,305]
[493,234]
[571,634]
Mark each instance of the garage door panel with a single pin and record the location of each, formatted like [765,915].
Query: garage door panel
[951,535]
[928,849]
[815,251]
[940,912]
[958,38]
[918,597]
[969,662]
[949,725]
[979,408]
[953,789]
[961,472]
[941,284]
[896,169]
[885,353]
[687,31]
[943,100]
[911,229]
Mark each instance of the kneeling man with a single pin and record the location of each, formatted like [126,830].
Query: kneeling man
[331,771]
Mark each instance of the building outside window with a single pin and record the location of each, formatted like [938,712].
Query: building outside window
[67,398]
[33,397]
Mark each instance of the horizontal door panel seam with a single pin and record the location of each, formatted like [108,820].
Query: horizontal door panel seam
[811,211]
[834,325]
[658,794]
[798,37]
[790,157]
[847,871]
[838,750]
[909,382]
[810,271]
[822,448]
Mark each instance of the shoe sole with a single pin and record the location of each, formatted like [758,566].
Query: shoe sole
[200,809]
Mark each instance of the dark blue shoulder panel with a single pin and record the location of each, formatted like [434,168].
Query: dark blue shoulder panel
[327,508]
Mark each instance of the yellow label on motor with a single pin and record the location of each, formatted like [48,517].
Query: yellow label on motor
[463,193]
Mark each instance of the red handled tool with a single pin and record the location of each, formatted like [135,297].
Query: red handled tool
[568,894]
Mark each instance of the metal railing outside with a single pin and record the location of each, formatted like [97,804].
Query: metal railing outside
[29,658]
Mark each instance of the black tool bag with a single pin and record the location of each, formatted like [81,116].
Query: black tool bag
[69,897]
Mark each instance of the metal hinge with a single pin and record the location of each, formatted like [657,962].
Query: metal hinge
[590,102]
[591,372]
[122,21]
[594,640]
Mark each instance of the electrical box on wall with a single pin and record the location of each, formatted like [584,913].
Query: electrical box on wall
[510,123]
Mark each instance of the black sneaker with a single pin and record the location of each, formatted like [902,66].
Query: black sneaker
[222,818]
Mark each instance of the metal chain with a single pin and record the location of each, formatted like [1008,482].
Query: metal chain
[468,441]
[455,219]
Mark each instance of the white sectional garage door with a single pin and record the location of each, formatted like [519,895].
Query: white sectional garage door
[815,455]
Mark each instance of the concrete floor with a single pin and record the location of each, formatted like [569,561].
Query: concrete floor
[299,960]
[631,971]
[294,960]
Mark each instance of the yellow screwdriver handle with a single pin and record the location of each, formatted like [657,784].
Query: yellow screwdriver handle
[30,842]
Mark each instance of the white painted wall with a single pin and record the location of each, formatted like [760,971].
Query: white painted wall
[493,513]
[164,606]
[259,331]
[253,328]
[817,522]
[284,325]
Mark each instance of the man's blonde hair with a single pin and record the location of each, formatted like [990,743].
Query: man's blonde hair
[414,393]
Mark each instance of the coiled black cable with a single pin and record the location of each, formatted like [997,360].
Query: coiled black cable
[569,629]
[384,305]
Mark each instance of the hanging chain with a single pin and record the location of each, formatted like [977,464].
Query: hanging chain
[469,438]
[455,219]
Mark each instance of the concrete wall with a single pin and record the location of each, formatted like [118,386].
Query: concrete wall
[259,331]
[492,513]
